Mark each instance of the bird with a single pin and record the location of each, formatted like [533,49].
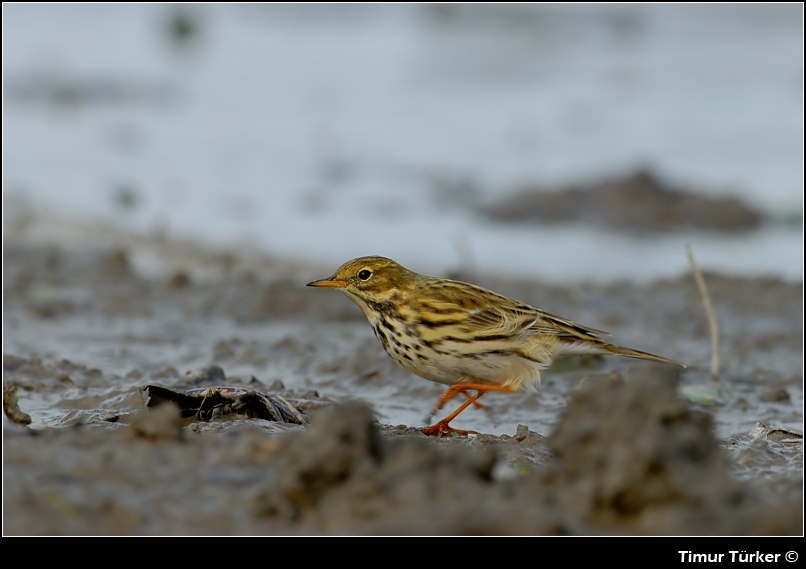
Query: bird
[462,335]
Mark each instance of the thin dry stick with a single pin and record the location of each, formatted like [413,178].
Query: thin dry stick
[709,313]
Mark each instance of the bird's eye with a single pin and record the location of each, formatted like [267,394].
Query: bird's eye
[364,275]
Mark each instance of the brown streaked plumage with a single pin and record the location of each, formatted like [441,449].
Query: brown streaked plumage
[460,334]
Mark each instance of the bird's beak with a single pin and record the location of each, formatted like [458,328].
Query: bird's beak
[331,282]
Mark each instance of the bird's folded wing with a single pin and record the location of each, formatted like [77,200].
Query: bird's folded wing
[517,320]
[501,316]
[568,327]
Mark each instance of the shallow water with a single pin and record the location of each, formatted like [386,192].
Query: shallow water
[314,132]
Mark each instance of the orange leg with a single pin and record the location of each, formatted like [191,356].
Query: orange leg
[458,388]
[476,405]
[442,426]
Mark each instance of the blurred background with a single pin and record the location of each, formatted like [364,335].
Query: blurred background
[563,143]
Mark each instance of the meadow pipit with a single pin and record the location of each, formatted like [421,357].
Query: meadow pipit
[460,334]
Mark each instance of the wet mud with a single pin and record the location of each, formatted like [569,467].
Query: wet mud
[606,445]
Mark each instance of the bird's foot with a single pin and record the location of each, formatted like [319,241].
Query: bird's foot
[442,428]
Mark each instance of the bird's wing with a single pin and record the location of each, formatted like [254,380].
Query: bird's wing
[485,312]
[499,321]
[570,328]
[521,318]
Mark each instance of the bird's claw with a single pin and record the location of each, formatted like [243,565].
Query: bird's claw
[442,428]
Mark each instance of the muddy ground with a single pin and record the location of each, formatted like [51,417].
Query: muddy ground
[606,446]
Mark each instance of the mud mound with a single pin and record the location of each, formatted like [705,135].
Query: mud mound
[639,202]
[342,476]
[634,457]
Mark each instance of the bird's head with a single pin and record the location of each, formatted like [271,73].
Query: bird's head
[371,279]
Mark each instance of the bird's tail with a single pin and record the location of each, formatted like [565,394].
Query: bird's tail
[630,353]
